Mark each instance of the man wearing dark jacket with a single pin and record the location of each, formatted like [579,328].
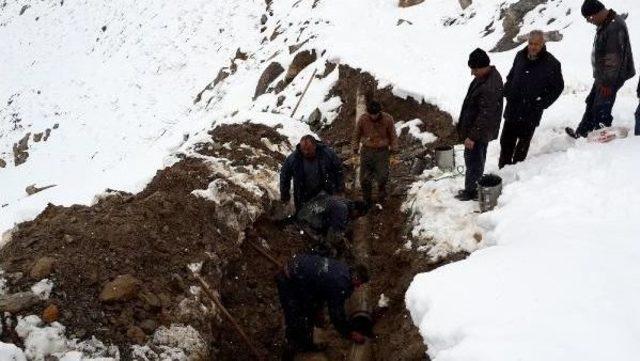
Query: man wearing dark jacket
[326,219]
[479,121]
[307,283]
[637,132]
[612,63]
[314,167]
[533,84]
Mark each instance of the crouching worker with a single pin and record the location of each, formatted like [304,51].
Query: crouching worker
[326,219]
[306,284]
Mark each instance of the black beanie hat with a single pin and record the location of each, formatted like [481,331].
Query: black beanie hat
[591,7]
[478,59]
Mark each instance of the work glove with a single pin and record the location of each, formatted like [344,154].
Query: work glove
[357,337]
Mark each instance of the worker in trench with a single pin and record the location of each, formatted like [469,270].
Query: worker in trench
[376,132]
[314,167]
[326,220]
[305,285]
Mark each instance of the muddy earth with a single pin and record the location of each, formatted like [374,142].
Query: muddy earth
[153,235]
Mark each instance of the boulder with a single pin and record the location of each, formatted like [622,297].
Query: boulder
[122,288]
[2,163]
[17,302]
[42,268]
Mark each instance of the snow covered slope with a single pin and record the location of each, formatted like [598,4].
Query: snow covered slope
[561,281]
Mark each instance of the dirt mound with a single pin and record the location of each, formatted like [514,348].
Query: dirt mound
[147,239]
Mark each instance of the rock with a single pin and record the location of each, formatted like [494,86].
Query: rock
[37,137]
[55,126]
[280,101]
[149,299]
[32,189]
[240,55]
[20,154]
[2,163]
[263,19]
[300,61]
[465,3]
[477,236]
[42,268]
[272,71]
[50,314]
[407,3]
[148,326]
[17,302]
[512,22]
[68,239]
[122,288]
[136,335]
[315,119]
[47,133]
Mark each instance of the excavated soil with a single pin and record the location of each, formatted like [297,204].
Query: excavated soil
[154,234]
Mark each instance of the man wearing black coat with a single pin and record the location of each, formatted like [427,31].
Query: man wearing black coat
[479,121]
[637,132]
[612,62]
[314,167]
[306,284]
[533,84]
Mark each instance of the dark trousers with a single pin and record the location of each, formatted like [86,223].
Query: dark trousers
[298,314]
[514,142]
[374,165]
[598,111]
[637,132]
[474,160]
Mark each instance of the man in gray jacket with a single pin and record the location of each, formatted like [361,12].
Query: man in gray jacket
[612,63]
[479,121]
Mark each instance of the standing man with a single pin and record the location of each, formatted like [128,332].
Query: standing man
[314,167]
[307,283]
[479,121]
[533,84]
[637,132]
[612,63]
[377,132]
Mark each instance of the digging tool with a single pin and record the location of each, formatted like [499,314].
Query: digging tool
[263,252]
[234,323]
[304,92]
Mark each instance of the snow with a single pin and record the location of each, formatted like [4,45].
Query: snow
[10,352]
[43,288]
[413,128]
[561,279]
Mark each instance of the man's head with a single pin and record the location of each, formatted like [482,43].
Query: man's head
[479,63]
[594,12]
[536,43]
[308,146]
[374,109]
[359,275]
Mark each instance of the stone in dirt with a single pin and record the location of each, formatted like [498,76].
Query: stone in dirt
[17,302]
[42,268]
[136,335]
[123,288]
[148,326]
[50,314]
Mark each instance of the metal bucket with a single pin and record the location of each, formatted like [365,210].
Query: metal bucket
[445,158]
[489,189]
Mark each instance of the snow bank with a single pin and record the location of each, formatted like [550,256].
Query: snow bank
[561,282]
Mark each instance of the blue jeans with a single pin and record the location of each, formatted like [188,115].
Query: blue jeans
[474,160]
[598,112]
[637,132]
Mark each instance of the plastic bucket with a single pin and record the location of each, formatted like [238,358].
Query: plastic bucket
[489,189]
[445,159]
